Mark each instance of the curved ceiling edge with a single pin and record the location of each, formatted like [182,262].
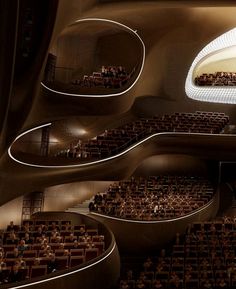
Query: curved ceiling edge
[112,94]
[212,94]
[97,161]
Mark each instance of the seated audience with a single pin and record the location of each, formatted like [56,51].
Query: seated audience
[115,140]
[216,79]
[154,198]
[19,255]
[196,271]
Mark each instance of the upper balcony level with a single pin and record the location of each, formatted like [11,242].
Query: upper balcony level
[67,143]
[94,58]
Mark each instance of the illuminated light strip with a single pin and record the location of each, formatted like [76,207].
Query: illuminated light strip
[101,160]
[66,274]
[157,221]
[212,94]
[112,94]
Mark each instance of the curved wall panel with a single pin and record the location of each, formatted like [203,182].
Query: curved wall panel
[147,236]
[172,164]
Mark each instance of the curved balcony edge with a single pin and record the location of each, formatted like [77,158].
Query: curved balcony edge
[83,276]
[122,153]
[153,234]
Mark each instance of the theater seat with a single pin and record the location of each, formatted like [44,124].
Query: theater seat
[76,260]
[77,252]
[37,271]
[24,272]
[91,253]
[62,262]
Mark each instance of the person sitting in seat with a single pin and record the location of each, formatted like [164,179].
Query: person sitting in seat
[52,264]
[157,284]
[20,263]
[27,239]
[222,283]
[12,227]
[22,247]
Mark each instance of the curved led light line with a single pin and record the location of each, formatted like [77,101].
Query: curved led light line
[212,94]
[157,221]
[101,160]
[66,274]
[112,94]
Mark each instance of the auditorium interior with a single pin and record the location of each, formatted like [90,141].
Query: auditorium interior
[118,144]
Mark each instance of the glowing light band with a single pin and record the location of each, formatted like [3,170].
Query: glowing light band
[100,160]
[217,94]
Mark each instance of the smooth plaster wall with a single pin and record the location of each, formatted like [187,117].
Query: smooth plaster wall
[226,65]
[11,211]
[172,164]
[63,196]
[76,55]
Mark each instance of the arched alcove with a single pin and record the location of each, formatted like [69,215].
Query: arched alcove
[94,57]
[212,74]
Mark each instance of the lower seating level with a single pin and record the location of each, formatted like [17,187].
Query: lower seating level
[36,248]
[154,198]
[204,257]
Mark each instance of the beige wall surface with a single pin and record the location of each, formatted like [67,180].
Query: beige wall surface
[64,196]
[11,211]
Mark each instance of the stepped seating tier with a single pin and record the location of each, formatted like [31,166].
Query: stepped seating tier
[113,141]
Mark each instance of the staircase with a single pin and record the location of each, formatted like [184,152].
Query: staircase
[81,208]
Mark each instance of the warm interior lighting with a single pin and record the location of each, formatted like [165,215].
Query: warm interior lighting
[222,60]
[53,139]
[220,49]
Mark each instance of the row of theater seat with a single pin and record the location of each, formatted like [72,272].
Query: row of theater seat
[153,198]
[203,258]
[107,77]
[216,79]
[31,271]
[25,251]
[36,250]
[112,141]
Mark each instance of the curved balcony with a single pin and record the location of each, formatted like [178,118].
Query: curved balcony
[87,275]
[81,149]
[94,58]
[212,76]
[153,234]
